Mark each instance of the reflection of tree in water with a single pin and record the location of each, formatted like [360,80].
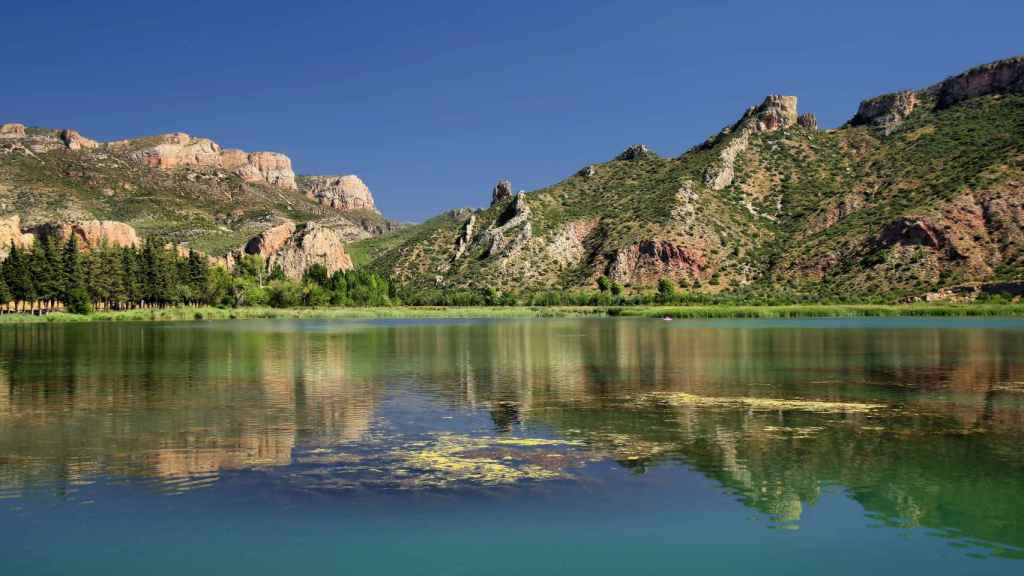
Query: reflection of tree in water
[505,415]
[171,403]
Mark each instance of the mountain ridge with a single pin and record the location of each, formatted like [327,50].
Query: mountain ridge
[770,202]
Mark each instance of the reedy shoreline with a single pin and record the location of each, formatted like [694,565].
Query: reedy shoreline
[426,312]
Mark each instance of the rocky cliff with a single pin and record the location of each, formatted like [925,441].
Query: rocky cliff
[344,193]
[182,190]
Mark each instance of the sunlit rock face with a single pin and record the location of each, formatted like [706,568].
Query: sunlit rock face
[170,151]
[343,193]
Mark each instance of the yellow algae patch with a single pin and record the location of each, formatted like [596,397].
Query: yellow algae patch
[482,460]
[770,404]
[794,431]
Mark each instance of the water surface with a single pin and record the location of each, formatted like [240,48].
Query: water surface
[589,446]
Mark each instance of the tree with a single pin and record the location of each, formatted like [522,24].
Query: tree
[5,292]
[604,284]
[197,275]
[616,289]
[317,273]
[74,275]
[666,290]
[18,276]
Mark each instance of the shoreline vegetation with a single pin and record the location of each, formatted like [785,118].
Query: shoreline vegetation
[190,313]
[54,283]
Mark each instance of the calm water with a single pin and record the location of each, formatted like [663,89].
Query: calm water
[597,446]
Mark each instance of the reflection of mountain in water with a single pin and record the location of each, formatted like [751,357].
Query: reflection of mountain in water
[182,401]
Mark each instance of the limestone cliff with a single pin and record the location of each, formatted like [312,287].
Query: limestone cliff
[343,193]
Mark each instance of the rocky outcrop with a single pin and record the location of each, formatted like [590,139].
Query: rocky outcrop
[465,237]
[568,248]
[296,248]
[807,120]
[92,234]
[12,130]
[313,244]
[971,292]
[11,235]
[998,77]
[916,232]
[502,191]
[649,260]
[588,171]
[269,167]
[270,240]
[181,150]
[887,111]
[511,231]
[346,192]
[635,152]
[75,141]
[776,112]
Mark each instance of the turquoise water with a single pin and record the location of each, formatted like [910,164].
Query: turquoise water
[590,446]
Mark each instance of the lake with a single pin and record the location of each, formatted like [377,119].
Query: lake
[542,446]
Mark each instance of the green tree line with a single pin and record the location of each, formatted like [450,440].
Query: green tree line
[54,276]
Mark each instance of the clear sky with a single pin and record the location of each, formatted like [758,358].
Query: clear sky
[432,102]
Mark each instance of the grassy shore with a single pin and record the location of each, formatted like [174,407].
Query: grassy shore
[823,310]
[210,313]
[795,311]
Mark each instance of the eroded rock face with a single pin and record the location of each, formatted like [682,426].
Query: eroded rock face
[635,152]
[776,112]
[511,231]
[346,192]
[314,244]
[270,167]
[181,150]
[649,260]
[465,237]
[995,78]
[502,191]
[91,234]
[11,234]
[808,120]
[887,111]
[75,141]
[911,232]
[270,240]
[12,130]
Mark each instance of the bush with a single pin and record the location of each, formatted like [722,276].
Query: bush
[78,301]
[285,294]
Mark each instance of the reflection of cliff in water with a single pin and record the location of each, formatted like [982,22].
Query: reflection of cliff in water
[128,400]
[945,454]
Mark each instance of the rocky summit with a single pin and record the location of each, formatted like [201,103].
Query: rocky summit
[920,190]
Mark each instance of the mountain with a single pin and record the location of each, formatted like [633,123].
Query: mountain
[921,189]
[178,189]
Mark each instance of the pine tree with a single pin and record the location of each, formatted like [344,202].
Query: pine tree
[130,271]
[18,276]
[198,275]
[76,296]
[5,292]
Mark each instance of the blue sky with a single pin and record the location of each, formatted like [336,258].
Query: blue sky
[432,102]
